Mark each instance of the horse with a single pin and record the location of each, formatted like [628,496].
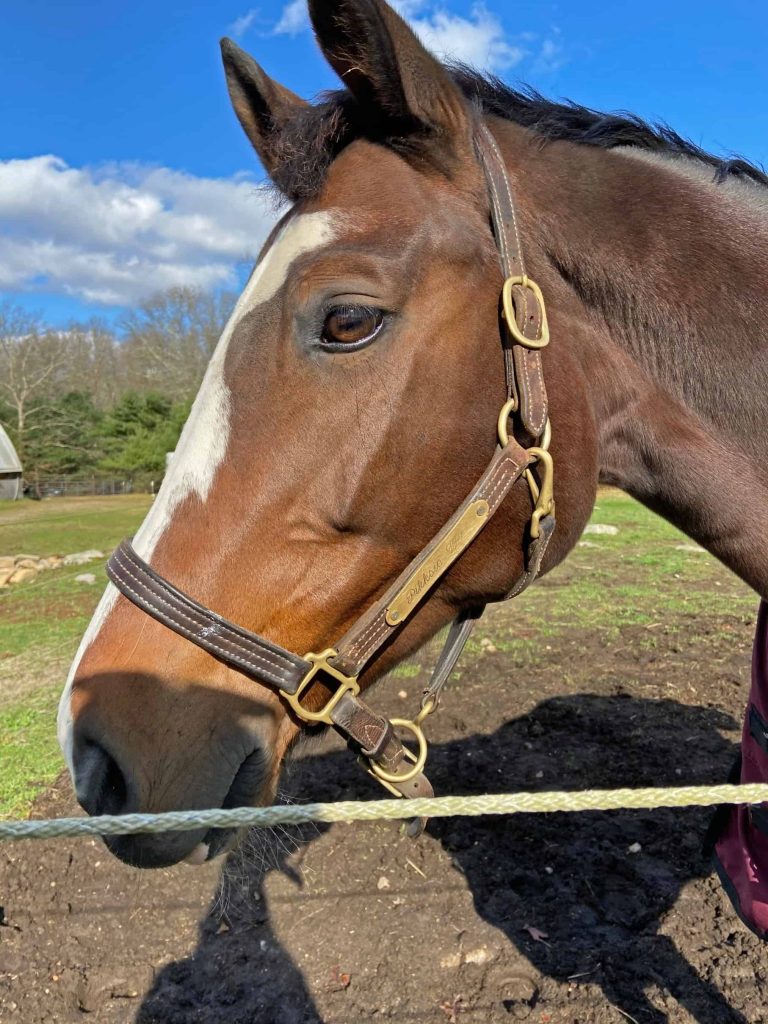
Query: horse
[353,402]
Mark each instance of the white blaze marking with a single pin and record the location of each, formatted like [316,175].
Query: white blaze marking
[205,438]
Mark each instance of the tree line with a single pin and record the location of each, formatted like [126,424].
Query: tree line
[106,401]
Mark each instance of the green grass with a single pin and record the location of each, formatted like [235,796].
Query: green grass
[60,526]
[49,610]
[29,756]
[638,577]
[41,622]
[635,578]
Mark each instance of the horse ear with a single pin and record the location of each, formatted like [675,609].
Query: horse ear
[262,105]
[387,69]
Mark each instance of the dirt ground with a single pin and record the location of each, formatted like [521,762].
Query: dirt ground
[584,918]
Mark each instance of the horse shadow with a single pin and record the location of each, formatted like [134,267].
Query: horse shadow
[575,876]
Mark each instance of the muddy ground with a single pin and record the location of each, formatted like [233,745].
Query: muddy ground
[546,919]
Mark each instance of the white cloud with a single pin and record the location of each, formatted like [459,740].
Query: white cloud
[551,55]
[241,25]
[477,39]
[294,18]
[115,234]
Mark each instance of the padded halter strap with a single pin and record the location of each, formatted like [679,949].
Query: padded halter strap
[524,332]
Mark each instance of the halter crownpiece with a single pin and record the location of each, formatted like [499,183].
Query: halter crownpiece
[524,332]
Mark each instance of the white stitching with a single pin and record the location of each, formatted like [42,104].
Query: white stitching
[176,614]
[492,140]
[186,603]
[373,641]
[366,633]
[231,656]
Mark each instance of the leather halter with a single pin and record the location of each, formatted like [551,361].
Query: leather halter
[524,333]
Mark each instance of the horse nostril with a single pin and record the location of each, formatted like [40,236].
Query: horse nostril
[99,782]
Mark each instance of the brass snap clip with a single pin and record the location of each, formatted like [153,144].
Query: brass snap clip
[508,307]
[543,492]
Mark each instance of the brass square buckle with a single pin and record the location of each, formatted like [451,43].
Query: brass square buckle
[320,663]
[508,305]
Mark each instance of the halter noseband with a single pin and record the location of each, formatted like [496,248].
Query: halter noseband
[524,333]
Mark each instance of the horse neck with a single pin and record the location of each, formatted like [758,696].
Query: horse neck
[656,277]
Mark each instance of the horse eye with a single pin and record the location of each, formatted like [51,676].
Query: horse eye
[351,325]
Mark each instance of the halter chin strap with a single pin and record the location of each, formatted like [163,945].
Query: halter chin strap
[524,333]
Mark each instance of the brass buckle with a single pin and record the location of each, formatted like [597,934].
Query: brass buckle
[320,663]
[508,306]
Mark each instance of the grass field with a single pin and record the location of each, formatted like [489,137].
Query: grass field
[645,575]
[41,623]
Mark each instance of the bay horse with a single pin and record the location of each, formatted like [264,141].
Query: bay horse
[351,406]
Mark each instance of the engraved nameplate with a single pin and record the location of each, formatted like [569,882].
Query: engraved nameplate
[460,535]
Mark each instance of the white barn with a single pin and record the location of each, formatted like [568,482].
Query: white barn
[10,469]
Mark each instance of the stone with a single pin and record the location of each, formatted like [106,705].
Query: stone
[5,576]
[85,577]
[22,575]
[53,561]
[7,562]
[602,528]
[82,557]
[29,562]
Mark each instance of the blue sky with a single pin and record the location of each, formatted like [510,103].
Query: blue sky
[122,168]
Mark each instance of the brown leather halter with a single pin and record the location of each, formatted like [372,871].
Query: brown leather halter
[524,333]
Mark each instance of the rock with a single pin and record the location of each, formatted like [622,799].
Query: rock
[85,577]
[601,528]
[82,557]
[53,561]
[18,559]
[478,956]
[29,562]
[694,548]
[5,576]
[21,575]
[7,562]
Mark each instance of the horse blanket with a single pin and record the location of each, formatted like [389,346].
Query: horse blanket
[741,833]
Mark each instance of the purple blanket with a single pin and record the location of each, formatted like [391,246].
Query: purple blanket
[741,847]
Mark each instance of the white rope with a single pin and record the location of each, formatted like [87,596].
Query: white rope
[372,810]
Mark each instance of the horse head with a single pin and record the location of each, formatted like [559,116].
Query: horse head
[349,407]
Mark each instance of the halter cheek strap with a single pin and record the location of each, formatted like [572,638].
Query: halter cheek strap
[524,333]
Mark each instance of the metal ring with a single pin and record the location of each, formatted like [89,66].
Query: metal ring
[503,422]
[420,761]
[546,437]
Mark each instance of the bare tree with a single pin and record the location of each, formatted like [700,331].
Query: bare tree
[169,340]
[30,360]
[94,364]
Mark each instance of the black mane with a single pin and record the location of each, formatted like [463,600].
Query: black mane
[312,140]
[573,123]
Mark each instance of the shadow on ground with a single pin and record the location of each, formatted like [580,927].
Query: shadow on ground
[613,935]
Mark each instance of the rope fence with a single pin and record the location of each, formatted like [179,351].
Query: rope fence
[374,810]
